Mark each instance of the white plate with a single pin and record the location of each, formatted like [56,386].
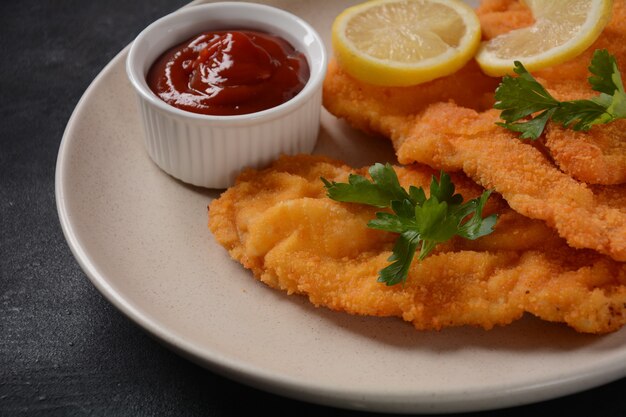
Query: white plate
[142,239]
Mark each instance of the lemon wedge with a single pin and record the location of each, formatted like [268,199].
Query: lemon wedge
[562,30]
[405,42]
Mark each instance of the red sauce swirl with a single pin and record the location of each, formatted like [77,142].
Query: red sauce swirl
[229,73]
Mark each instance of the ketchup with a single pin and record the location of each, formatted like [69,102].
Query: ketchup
[229,73]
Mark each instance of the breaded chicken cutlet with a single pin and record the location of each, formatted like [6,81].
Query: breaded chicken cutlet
[449,124]
[279,223]
[559,245]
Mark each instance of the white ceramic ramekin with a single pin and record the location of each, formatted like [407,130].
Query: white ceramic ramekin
[210,151]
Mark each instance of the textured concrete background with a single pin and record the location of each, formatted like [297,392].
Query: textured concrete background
[64,350]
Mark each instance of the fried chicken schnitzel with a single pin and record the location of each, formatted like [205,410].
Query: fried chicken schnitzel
[449,124]
[279,223]
[559,245]
[594,157]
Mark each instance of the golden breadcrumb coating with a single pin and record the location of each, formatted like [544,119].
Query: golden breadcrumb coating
[594,157]
[449,124]
[278,223]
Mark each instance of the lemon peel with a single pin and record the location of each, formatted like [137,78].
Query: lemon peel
[562,31]
[405,42]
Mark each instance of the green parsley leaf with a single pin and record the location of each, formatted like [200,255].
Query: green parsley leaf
[444,190]
[476,227]
[532,128]
[420,222]
[522,97]
[391,223]
[401,258]
[606,77]
[379,193]
[435,221]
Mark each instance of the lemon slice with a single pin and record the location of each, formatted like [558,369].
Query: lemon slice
[405,42]
[562,30]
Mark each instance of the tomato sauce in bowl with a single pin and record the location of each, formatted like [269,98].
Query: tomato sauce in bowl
[241,86]
[229,73]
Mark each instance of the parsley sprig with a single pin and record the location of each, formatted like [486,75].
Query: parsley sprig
[417,219]
[521,97]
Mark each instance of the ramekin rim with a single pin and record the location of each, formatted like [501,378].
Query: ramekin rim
[312,85]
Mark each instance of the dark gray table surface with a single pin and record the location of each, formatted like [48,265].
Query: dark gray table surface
[64,350]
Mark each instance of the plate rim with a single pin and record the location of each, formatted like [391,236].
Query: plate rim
[399,402]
